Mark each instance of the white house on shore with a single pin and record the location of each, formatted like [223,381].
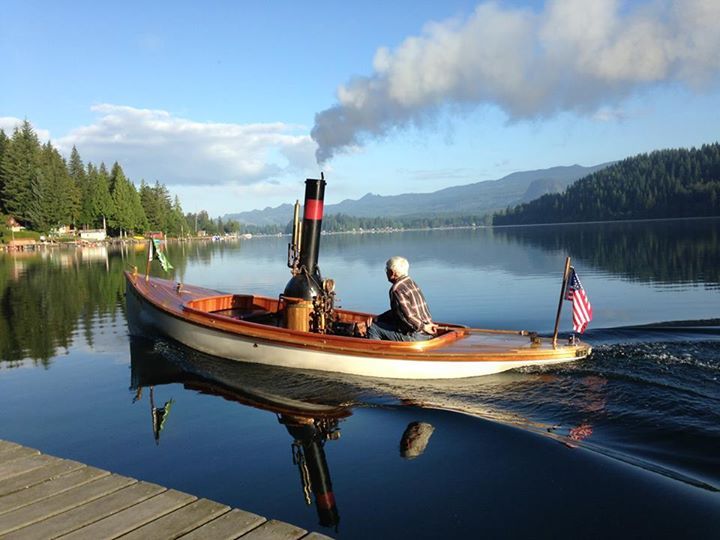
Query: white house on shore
[93,235]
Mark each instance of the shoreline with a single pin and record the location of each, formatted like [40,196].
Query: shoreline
[34,245]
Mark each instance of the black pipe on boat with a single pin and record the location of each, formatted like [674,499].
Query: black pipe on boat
[308,282]
[312,223]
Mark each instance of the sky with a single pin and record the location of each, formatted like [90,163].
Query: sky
[232,104]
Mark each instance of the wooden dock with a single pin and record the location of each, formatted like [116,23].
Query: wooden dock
[43,497]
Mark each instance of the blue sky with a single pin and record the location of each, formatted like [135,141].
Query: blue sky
[230,103]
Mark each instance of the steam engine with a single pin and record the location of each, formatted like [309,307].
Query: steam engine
[309,299]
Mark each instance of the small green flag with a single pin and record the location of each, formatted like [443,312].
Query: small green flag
[155,247]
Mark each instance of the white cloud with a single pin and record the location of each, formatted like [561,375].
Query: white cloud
[573,55]
[9,123]
[156,145]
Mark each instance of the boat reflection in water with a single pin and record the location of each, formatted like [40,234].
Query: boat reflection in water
[309,436]
[158,415]
[309,424]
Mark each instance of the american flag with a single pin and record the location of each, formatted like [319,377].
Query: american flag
[582,310]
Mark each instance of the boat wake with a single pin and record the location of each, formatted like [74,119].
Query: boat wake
[689,330]
[649,396]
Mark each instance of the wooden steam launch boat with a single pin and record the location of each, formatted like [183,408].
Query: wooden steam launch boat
[302,328]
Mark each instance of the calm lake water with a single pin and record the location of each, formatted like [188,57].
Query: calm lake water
[625,443]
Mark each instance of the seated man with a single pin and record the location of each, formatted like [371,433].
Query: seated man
[408,318]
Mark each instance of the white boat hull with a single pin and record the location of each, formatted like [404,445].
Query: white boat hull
[142,314]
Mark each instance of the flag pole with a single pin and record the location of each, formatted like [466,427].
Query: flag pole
[560,302]
[149,258]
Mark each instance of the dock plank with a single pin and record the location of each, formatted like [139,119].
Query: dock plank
[6,445]
[37,476]
[62,502]
[134,517]
[14,452]
[316,536]
[179,522]
[50,488]
[227,527]
[87,513]
[275,530]
[23,464]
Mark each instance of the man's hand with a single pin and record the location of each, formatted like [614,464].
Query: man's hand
[430,328]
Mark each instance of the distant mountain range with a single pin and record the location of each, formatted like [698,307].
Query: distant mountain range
[478,198]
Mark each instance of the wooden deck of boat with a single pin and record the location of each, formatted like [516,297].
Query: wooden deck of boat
[47,497]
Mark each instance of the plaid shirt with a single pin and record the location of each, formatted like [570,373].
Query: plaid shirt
[408,305]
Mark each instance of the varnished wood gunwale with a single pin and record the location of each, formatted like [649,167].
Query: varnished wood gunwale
[285,335]
[460,344]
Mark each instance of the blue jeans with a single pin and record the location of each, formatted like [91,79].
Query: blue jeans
[383,330]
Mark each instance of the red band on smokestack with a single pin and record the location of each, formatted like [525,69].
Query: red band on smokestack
[313,209]
[325,500]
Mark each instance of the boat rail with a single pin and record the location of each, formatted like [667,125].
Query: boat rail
[259,316]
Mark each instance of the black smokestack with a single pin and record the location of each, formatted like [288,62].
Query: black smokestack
[312,224]
[308,282]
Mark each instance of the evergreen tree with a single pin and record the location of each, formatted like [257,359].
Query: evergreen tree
[4,141]
[122,217]
[20,168]
[76,169]
[55,196]
[177,225]
[233,226]
[205,223]
[42,212]
[158,207]
[128,214]
[87,189]
[67,191]
[151,207]
[103,199]
[139,220]
[97,201]
[164,203]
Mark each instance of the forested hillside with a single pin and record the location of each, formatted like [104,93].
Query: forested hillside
[662,184]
